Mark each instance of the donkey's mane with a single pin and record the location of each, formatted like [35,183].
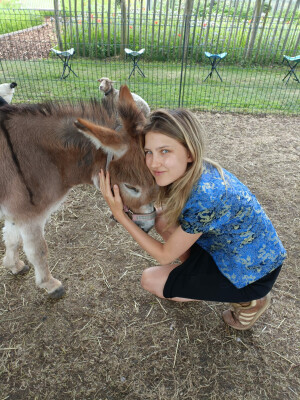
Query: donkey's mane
[100,112]
[103,112]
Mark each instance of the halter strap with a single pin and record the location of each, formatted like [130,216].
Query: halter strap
[109,158]
[139,217]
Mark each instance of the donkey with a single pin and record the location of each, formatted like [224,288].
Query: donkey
[46,149]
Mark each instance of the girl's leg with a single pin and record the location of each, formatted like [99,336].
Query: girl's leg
[247,304]
[154,279]
[242,317]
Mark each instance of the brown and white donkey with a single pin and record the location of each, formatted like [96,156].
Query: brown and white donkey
[46,149]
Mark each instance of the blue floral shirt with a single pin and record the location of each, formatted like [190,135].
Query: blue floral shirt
[236,232]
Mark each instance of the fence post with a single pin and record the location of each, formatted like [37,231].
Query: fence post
[183,61]
[57,24]
[65,22]
[96,28]
[123,29]
[256,21]
[83,27]
[188,14]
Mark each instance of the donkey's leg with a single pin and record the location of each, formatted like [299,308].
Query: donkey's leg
[12,241]
[36,251]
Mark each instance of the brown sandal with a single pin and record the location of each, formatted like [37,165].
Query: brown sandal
[243,317]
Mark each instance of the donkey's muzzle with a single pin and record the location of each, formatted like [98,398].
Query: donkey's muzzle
[144,221]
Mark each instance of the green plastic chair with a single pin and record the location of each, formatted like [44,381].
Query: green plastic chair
[292,63]
[215,60]
[135,56]
[65,57]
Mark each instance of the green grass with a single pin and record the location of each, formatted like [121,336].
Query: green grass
[18,20]
[259,90]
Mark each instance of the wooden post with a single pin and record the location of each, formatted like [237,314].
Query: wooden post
[57,24]
[187,17]
[76,25]
[82,27]
[123,29]
[96,28]
[90,27]
[71,23]
[256,21]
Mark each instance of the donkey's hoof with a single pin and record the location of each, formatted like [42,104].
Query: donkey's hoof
[23,271]
[57,294]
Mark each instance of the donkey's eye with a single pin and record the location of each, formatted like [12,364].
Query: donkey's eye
[132,188]
[131,191]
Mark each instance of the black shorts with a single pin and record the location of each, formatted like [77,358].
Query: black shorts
[199,278]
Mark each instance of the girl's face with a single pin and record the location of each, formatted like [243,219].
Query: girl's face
[166,158]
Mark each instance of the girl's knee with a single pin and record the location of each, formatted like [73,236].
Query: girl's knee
[147,279]
[154,279]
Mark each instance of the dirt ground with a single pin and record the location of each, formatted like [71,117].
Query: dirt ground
[108,339]
[29,44]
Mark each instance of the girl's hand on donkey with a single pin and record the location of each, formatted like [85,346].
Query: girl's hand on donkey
[113,199]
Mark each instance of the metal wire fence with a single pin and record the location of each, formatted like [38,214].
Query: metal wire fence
[246,86]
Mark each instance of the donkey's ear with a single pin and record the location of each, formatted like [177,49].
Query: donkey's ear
[107,139]
[132,117]
[125,95]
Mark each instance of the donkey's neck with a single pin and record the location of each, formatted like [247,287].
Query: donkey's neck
[78,167]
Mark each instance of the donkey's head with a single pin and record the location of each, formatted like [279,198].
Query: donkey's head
[125,159]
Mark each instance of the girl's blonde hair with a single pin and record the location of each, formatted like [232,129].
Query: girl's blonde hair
[183,126]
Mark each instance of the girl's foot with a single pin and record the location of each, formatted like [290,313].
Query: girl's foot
[243,317]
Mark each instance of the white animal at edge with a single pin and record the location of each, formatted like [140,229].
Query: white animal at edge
[6,92]
[106,86]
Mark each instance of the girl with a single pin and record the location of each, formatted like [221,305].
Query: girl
[228,247]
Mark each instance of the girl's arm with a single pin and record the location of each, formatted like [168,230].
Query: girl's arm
[177,244]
